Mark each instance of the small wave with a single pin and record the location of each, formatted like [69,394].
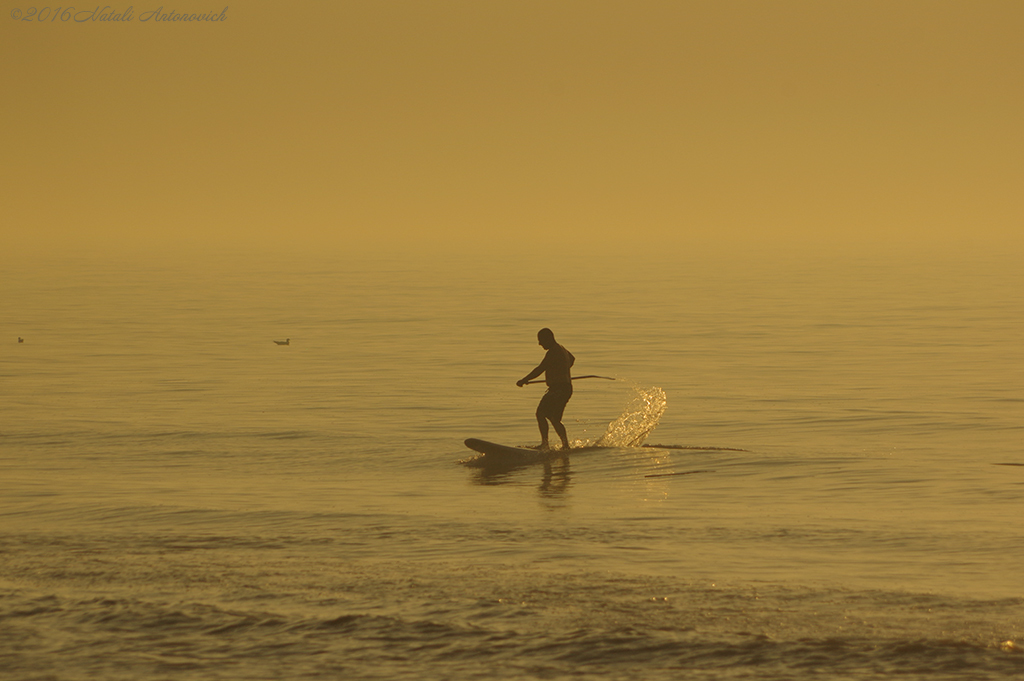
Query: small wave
[701,448]
[235,618]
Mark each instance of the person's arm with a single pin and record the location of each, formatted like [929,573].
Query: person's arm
[530,376]
[541,368]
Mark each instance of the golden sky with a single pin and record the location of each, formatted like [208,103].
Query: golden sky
[382,124]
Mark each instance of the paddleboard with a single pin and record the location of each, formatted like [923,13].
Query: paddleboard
[495,454]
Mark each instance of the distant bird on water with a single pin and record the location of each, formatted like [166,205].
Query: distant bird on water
[286,341]
[20,339]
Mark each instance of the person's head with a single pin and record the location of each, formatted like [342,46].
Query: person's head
[546,338]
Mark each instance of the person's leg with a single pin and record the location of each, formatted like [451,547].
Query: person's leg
[560,429]
[542,423]
[557,408]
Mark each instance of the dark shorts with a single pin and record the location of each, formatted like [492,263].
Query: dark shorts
[552,405]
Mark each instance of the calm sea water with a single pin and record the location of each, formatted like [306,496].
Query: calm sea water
[184,499]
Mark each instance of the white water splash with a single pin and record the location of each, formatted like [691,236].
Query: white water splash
[640,417]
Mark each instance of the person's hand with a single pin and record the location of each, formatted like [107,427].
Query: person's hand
[520,383]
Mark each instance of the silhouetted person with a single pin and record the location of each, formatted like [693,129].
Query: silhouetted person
[555,368]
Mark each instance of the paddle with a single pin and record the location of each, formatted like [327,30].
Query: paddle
[574,378]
